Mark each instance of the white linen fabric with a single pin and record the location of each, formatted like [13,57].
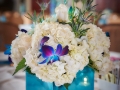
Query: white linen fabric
[7,81]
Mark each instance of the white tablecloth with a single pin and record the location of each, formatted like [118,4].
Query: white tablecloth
[9,82]
[17,82]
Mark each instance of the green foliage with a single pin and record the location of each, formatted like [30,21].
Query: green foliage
[66,85]
[92,65]
[76,1]
[35,18]
[82,32]
[71,12]
[43,5]
[40,17]
[88,5]
[28,69]
[20,66]
[65,1]
[83,16]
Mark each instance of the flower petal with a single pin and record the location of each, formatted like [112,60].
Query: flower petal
[107,34]
[44,39]
[47,51]
[44,61]
[8,51]
[10,60]
[55,58]
[8,46]
[23,30]
[59,49]
[64,51]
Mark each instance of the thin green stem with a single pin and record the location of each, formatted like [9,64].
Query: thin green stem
[73,3]
[43,14]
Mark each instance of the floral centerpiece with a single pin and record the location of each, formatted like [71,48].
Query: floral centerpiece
[57,48]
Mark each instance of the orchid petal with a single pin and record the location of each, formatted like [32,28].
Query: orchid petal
[53,59]
[44,61]
[59,49]
[8,51]
[39,55]
[9,59]
[56,58]
[107,34]
[23,30]
[64,51]
[47,51]
[8,46]
[44,39]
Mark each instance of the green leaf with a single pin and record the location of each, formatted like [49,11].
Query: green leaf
[71,12]
[84,1]
[28,69]
[92,65]
[66,85]
[20,66]
[89,15]
[76,1]
[65,2]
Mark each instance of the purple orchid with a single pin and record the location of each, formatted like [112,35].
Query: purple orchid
[50,54]
[8,52]
[44,39]
[23,30]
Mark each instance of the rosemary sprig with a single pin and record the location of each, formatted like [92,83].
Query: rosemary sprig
[43,7]
[40,17]
[35,18]
[83,17]
[76,1]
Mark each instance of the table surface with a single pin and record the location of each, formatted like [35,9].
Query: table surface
[17,82]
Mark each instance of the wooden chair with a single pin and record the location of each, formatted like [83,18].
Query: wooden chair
[7,34]
[14,18]
[114,30]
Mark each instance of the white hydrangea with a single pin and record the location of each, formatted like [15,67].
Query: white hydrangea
[61,71]
[19,46]
[98,49]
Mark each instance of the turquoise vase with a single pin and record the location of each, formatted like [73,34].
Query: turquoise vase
[84,81]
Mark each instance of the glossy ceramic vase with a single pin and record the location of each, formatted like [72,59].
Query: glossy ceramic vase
[84,81]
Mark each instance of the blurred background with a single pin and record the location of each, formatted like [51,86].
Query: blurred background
[12,19]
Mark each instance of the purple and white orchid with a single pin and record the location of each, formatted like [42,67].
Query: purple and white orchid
[49,53]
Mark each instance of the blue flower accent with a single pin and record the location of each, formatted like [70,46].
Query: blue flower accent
[23,30]
[8,51]
[44,39]
[50,54]
[10,60]
[107,34]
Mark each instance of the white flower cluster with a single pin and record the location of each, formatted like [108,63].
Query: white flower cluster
[94,45]
[98,50]
[61,71]
[19,46]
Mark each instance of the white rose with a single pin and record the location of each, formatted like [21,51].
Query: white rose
[62,13]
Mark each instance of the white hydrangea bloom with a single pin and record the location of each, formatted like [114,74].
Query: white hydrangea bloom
[19,47]
[61,71]
[98,49]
